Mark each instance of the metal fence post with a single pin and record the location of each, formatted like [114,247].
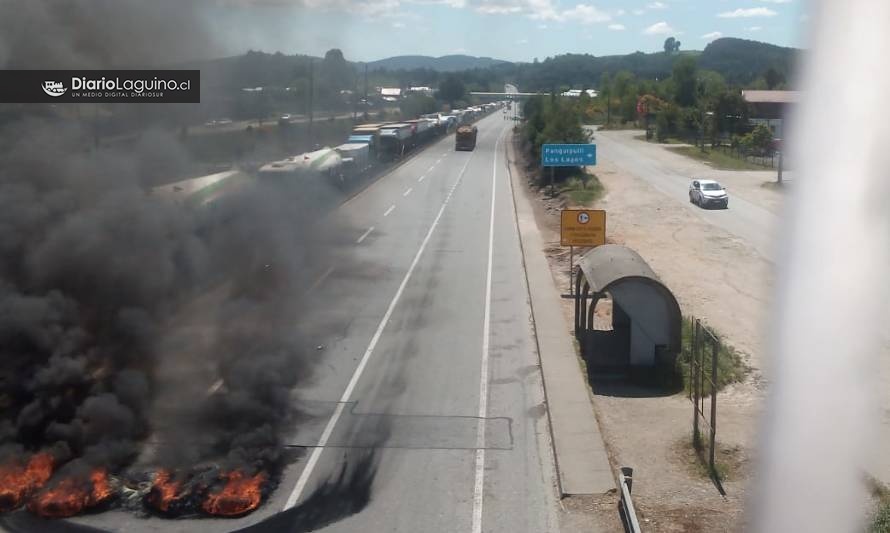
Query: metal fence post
[695,386]
[714,353]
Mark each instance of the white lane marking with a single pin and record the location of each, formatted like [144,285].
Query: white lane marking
[479,484]
[320,279]
[364,235]
[421,178]
[390,210]
[215,387]
[406,193]
[347,394]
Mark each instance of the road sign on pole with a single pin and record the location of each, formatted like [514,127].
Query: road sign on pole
[583,227]
[568,155]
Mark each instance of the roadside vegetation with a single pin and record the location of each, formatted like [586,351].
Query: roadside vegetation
[731,366]
[558,120]
[880,520]
[715,158]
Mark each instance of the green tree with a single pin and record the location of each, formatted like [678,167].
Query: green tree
[606,94]
[773,78]
[415,105]
[452,89]
[669,45]
[684,80]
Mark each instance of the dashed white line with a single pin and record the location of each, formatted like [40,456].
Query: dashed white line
[347,394]
[406,193]
[320,279]
[390,210]
[421,178]
[364,235]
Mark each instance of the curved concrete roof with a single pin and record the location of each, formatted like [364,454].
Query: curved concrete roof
[609,265]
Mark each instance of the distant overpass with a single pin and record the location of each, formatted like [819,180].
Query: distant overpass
[509,90]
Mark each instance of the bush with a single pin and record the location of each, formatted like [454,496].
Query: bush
[881,521]
[731,367]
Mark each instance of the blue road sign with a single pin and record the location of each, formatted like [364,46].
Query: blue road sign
[568,155]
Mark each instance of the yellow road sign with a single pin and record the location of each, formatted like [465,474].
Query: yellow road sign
[583,227]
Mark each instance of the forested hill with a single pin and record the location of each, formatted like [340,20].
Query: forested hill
[449,63]
[741,61]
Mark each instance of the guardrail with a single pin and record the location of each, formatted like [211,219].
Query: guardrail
[626,504]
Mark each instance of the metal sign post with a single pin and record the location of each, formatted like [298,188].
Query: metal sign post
[574,155]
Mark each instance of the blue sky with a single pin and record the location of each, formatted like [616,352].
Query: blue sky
[516,30]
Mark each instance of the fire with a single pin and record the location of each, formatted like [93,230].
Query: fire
[165,491]
[18,482]
[240,495]
[72,495]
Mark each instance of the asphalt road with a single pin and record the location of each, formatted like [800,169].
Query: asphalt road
[750,222]
[426,412]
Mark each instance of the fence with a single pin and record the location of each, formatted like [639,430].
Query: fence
[703,380]
[770,160]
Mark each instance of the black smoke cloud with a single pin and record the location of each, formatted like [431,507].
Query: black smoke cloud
[119,309]
[97,34]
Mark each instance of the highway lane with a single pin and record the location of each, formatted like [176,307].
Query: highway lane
[750,222]
[402,320]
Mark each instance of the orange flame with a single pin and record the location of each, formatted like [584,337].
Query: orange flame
[18,482]
[72,495]
[240,495]
[165,491]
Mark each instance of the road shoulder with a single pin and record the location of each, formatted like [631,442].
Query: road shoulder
[581,461]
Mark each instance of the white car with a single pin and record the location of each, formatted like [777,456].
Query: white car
[707,193]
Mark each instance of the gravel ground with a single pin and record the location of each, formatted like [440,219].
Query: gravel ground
[715,276]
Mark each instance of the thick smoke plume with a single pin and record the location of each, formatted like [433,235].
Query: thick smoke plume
[125,317]
[97,34]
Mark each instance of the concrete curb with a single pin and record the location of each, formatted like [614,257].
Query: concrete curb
[582,464]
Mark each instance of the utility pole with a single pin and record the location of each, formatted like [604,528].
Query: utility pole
[781,163]
[365,104]
[311,95]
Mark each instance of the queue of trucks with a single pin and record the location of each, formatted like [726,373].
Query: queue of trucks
[368,146]
[371,144]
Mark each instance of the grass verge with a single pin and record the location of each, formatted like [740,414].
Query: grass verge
[581,193]
[731,367]
[716,158]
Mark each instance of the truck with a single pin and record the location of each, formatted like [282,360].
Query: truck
[395,140]
[465,138]
[356,158]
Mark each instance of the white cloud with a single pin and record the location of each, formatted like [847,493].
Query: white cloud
[585,14]
[617,27]
[638,11]
[398,25]
[522,41]
[747,13]
[777,1]
[754,28]
[619,13]
[659,28]
[656,5]
[711,36]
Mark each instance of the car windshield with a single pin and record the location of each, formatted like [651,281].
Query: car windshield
[711,187]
